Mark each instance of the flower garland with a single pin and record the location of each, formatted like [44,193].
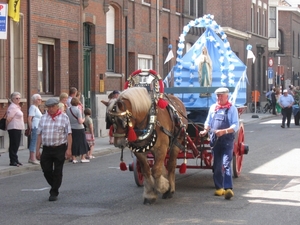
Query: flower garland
[206,21]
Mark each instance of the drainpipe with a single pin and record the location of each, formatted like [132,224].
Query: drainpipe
[28,51]
[157,36]
[28,58]
[126,48]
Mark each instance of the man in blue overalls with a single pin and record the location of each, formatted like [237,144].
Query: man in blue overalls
[222,122]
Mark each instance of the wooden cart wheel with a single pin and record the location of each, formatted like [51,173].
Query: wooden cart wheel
[137,173]
[238,156]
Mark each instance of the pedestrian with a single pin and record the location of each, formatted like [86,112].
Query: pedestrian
[14,125]
[278,94]
[291,90]
[222,122]
[79,143]
[72,94]
[54,133]
[34,117]
[80,106]
[63,98]
[273,101]
[286,102]
[89,132]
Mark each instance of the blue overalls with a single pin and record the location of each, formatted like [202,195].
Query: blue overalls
[222,150]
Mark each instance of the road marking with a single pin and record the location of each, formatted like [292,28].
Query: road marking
[41,189]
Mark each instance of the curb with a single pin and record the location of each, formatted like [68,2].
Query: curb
[27,167]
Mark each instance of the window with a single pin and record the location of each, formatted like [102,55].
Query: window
[178,6]
[258,21]
[166,4]
[272,22]
[196,8]
[46,66]
[86,34]
[264,25]
[145,61]
[110,40]
[294,44]
[298,45]
[280,42]
[252,18]
[110,57]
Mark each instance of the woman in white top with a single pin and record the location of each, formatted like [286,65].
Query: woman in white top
[34,117]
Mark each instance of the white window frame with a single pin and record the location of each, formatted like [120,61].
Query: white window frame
[145,61]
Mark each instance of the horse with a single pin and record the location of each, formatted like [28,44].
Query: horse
[143,126]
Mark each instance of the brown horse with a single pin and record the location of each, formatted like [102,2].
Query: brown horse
[158,130]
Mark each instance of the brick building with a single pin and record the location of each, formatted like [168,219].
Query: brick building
[95,45]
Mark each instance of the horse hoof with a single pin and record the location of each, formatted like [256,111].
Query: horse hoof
[148,201]
[167,195]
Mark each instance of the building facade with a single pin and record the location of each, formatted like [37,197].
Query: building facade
[95,45]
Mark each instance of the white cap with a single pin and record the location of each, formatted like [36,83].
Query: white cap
[285,91]
[222,90]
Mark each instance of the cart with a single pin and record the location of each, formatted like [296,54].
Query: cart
[197,149]
[183,81]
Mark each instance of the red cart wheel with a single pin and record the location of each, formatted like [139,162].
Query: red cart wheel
[238,154]
[137,173]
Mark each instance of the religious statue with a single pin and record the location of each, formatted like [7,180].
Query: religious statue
[205,69]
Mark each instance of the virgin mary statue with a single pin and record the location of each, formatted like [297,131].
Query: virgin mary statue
[205,69]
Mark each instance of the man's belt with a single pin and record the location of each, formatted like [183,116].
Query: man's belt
[53,146]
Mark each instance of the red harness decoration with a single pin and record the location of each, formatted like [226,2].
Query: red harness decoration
[161,102]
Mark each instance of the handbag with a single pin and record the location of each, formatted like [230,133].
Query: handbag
[27,132]
[88,137]
[3,122]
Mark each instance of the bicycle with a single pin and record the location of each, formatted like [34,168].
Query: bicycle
[267,107]
[258,108]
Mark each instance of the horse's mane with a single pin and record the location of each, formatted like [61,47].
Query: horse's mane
[138,97]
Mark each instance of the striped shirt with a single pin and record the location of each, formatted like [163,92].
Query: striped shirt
[54,132]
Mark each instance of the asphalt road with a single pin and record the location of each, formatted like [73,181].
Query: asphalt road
[267,192]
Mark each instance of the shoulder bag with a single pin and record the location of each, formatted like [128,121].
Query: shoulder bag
[3,122]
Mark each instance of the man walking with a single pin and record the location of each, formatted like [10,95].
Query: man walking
[286,102]
[54,133]
[222,122]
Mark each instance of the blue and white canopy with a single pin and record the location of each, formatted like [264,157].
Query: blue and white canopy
[228,69]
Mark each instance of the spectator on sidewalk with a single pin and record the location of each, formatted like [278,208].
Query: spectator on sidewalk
[63,98]
[54,133]
[286,102]
[80,106]
[89,132]
[14,125]
[34,117]
[79,143]
[72,94]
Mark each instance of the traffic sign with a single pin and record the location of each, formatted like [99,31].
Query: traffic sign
[271,62]
[270,73]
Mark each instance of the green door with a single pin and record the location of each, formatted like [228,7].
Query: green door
[87,77]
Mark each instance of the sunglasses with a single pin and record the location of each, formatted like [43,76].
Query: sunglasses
[18,98]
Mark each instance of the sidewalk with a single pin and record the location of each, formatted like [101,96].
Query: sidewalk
[102,147]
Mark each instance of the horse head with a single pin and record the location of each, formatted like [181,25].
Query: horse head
[126,113]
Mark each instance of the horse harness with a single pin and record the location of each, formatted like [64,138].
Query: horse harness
[148,134]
